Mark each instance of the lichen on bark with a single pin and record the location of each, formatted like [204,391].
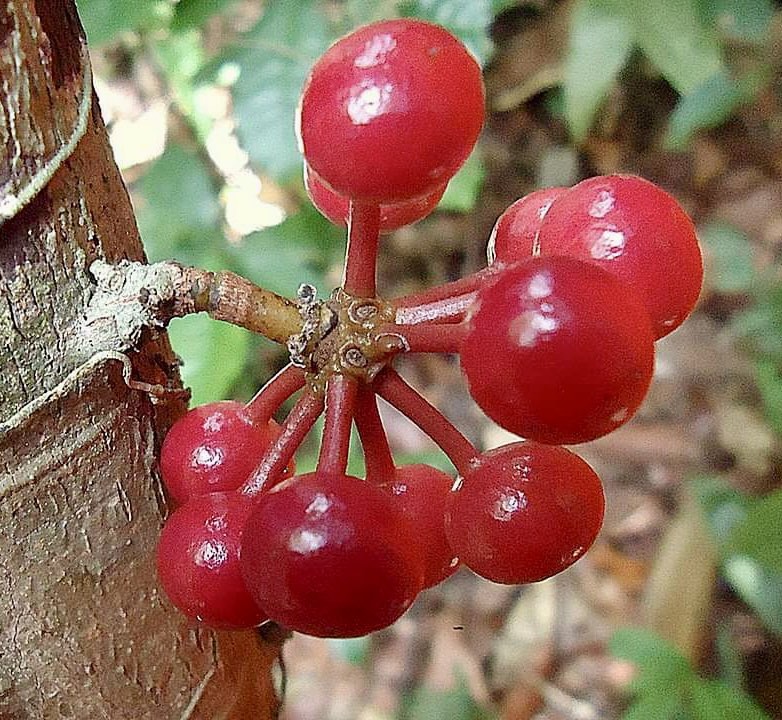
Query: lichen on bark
[84,630]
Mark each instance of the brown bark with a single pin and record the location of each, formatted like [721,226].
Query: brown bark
[84,630]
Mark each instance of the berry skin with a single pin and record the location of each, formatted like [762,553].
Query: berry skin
[213,448]
[198,561]
[421,492]
[525,512]
[330,556]
[515,234]
[335,208]
[558,350]
[391,111]
[637,231]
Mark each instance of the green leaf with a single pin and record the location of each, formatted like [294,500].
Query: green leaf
[656,706]
[673,35]
[731,251]
[769,382]
[760,589]
[300,249]
[745,20]
[181,57]
[455,704]
[105,20]
[274,59]
[469,20]
[660,665]
[723,506]
[730,660]
[463,190]
[707,106]
[760,535]
[600,41]
[714,700]
[194,13]
[213,355]
[177,209]
[351,650]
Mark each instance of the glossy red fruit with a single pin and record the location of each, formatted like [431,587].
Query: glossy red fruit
[558,350]
[213,448]
[525,512]
[330,556]
[515,234]
[637,231]
[392,217]
[421,492]
[391,111]
[198,561]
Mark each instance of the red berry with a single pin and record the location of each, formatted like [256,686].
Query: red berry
[392,216]
[515,234]
[558,350]
[421,492]
[525,512]
[637,231]
[198,561]
[330,556]
[213,448]
[391,111]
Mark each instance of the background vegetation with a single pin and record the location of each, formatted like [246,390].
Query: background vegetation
[684,591]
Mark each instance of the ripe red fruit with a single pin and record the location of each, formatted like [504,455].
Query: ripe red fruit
[637,231]
[213,448]
[515,234]
[198,561]
[421,492]
[391,111]
[392,216]
[525,512]
[558,350]
[330,556]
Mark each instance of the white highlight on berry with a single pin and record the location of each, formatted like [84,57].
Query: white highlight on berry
[375,51]
[368,100]
[609,244]
[510,502]
[602,205]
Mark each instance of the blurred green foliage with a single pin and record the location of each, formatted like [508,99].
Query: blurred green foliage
[687,42]
[667,687]
[748,536]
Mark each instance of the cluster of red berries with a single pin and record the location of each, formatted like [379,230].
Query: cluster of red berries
[556,340]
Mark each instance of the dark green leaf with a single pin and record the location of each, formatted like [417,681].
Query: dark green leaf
[673,35]
[194,13]
[660,665]
[732,254]
[759,536]
[469,20]
[455,704]
[274,59]
[760,589]
[769,382]
[213,354]
[707,106]
[465,187]
[714,700]
[177,209]
[600,41]
[105,20]
[760,325]
[723,506]
[746,20]
[729,657]
[656,706]
[301,249]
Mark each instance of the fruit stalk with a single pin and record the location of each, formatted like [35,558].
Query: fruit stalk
[361,258]
[392,388]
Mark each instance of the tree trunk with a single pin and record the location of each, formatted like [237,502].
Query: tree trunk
[84,630]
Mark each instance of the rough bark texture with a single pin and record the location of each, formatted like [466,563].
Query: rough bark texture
[84,631]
